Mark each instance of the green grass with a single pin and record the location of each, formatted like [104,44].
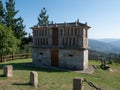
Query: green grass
[57,80]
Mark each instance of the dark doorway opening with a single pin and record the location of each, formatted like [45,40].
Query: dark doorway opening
[54,57]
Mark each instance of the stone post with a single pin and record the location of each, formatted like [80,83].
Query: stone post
[8,70]
[34,78]
[77,84]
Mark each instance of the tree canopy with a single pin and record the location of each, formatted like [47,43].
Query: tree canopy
[16,24]
[2,13]
[8,43]
[13,26]
[43,18]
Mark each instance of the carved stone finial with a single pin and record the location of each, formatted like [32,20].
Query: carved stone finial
[65,23]
[55,24]
[77,20]
[76,23]
[85,23]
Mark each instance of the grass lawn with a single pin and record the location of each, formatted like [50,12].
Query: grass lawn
[56,79]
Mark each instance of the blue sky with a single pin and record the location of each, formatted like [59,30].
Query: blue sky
[102,15]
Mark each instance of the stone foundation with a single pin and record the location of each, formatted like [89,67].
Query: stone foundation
[67,58]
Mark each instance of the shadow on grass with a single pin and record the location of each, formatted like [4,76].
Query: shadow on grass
[21,83]
[27,66]
[2,76]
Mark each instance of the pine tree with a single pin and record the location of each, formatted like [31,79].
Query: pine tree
[16,24]
[8,43]
[2,13]
[43,18]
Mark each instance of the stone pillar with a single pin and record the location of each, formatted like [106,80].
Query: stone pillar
[34,78]
[77,84]
[8,70]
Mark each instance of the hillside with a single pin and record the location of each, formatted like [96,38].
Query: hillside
[103,46]
[114,42]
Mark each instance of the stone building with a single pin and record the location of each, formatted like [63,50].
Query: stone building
[61,45]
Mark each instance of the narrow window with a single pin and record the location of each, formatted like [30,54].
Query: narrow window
[45,32]
[71,31]
[41,53]
[39,32]
[48,32]
[75,31]
[36,32]
[65,32]
[61,32]
[68,31]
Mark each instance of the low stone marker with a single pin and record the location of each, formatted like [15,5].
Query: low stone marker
[77,84]
[8,70]
[34,78]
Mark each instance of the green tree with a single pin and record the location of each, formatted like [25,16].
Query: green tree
[43,18]
[2,13]
[26,41]
[16,24]
[8,43]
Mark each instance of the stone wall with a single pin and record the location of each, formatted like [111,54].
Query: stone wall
[41,57]
[72,59]
[68,58]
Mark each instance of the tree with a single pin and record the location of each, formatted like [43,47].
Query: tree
[26,41]
[43,18]
[2,13]
[8,43]
[16,24]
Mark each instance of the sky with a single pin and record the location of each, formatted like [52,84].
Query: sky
[103,16]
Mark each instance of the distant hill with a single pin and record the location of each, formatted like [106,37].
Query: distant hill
[102,46]
[114,42]
[107,40]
